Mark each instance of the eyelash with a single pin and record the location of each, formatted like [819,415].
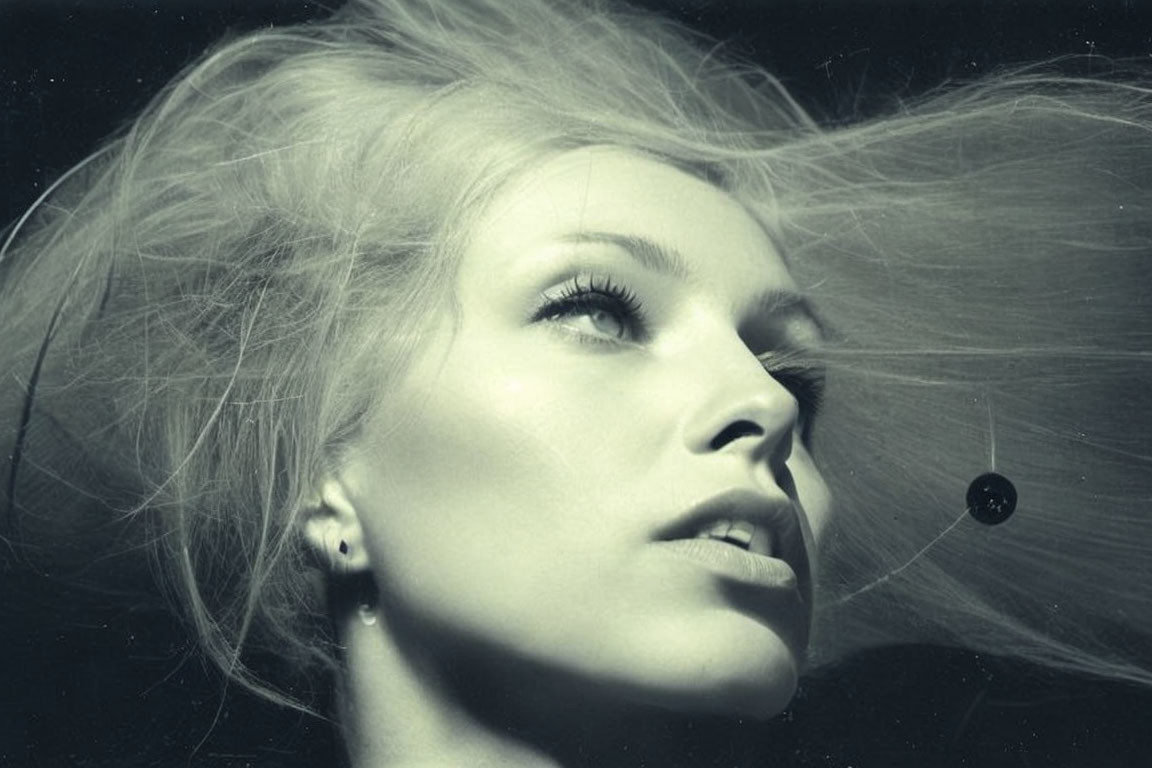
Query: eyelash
[805,382]
[578,298]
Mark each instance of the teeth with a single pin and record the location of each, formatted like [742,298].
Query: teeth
[719,529]
[741,533]
[738,532]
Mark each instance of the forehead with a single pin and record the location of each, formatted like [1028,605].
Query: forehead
[611,191]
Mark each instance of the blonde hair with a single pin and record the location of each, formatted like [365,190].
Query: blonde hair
[202,315]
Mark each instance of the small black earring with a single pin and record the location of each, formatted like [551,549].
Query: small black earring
[343,547]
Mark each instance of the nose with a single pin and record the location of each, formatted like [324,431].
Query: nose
[744,410]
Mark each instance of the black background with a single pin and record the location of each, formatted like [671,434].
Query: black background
[72,70]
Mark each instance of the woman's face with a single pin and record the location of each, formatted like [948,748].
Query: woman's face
[532,497]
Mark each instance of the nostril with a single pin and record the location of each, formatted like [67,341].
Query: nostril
[735,431]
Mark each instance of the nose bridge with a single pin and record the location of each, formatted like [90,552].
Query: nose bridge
[741,407]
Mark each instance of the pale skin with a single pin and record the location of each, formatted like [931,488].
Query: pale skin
[507,505]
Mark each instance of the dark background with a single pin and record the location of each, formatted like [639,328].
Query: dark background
[72,70]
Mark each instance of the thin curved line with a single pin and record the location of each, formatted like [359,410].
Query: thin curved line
[26,412]
[26,417]
[40,200]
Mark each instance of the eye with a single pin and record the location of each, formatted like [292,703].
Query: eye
[606,322]
[596,310]
[803,378]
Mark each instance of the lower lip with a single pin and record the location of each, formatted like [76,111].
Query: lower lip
[735,563]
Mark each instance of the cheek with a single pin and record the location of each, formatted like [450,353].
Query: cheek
[505,461]
[529,412]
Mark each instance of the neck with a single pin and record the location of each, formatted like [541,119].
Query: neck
[400,709]
[399,712]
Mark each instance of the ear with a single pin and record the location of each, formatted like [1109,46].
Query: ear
[332,528]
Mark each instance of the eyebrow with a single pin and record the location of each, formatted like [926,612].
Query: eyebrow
[776,302]
[650,254]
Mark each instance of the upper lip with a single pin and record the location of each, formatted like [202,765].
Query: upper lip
[774,514]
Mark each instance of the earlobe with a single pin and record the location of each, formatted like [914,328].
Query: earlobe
[331,526]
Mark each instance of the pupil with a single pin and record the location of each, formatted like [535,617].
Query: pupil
[606,322]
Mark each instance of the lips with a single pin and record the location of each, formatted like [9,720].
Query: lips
[742,532]
[755,522]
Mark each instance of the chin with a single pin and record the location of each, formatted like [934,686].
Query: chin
[755,696]
[758,703]
[724,679]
